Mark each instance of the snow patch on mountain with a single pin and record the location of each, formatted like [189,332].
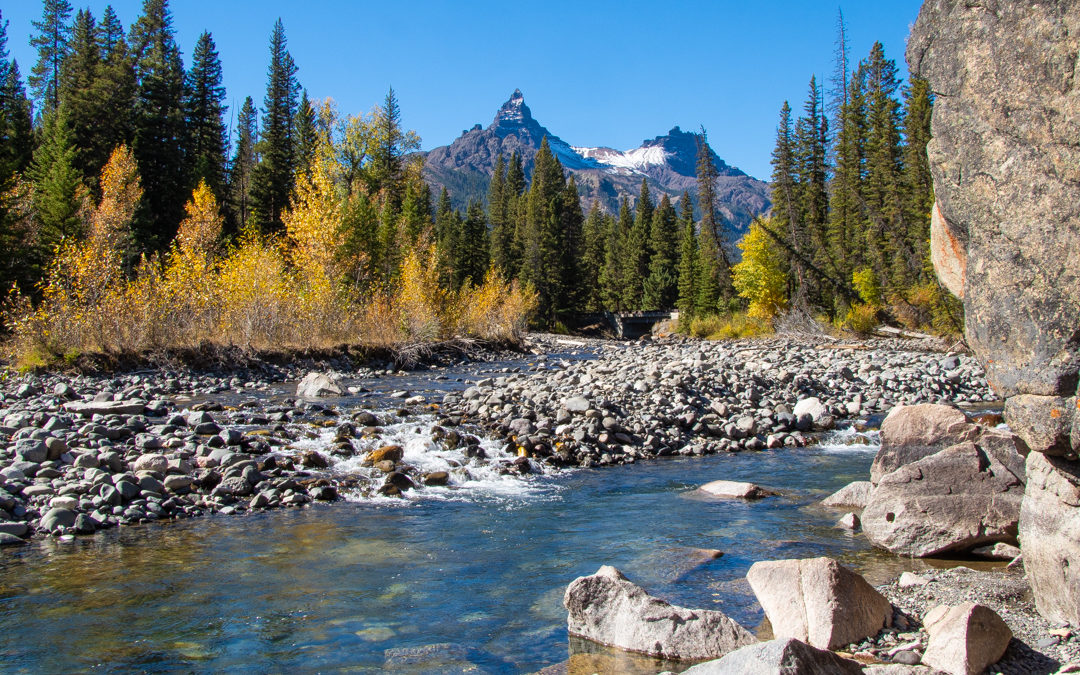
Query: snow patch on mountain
[637,160]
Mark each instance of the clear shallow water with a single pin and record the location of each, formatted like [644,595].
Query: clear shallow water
[333,586]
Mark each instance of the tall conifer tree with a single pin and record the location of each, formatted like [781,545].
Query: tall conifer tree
[53,36]
[243,165]
[205,112]
[273,179]
[688,263]
[160,132]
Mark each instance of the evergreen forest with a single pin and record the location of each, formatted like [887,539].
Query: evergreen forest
[134,218]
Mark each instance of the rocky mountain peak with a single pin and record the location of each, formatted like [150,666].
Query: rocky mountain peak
[513,113]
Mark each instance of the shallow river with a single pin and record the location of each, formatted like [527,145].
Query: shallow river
[479,570]
[334,586]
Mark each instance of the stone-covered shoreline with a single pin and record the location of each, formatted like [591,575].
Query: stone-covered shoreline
[83,453]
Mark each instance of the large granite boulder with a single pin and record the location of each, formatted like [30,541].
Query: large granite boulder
[608,608]
[1006,168]
[1050,536]
[819,601]
[911,432]
[951,501]
[784,656]
[964,639]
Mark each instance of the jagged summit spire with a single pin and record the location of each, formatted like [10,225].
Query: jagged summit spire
[514,111]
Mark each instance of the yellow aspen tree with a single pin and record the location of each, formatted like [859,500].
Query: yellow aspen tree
[760,277]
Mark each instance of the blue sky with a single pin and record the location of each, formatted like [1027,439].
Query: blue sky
[596,73]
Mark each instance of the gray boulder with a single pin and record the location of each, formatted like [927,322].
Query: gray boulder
[819,601]
[962,497]
[784,656]
[911,432]
[1050,536]
[318,385]
[608,608]
[56,518]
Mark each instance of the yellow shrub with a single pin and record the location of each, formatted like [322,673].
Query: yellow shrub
[255,294]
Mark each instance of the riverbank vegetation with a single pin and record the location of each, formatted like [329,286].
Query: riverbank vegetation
[143,223]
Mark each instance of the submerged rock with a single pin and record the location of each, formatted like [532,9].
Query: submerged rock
[735,490]
[608,608]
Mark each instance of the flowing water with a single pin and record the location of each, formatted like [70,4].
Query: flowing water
[478,569]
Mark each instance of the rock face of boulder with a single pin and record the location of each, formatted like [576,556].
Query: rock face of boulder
[911,432]
[1050,536]
[1006,165]
[785,656]
[954,500]
[964,639]
[819,601]
[608,608]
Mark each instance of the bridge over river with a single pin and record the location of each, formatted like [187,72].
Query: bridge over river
[625,325]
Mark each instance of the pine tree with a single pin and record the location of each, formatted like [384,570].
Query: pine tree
[16,127]
[514,195]
[918,182]
[811,154]
[110,31]
[78,90]
[113,90]
[540,245]
[205,113]
[242,166]
[845,209]
[502,233]
[416,207]
[611,280]
[636,250]
[307,135]
[714,267]
[886,247]
[473,248]
[160,133]
[661,286]
[59,194]
[51,41]
[390,145]
[273,178]
[592,259]
[688,263]
[571,247]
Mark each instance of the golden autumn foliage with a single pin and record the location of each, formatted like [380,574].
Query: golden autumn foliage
[263,292]
[759,276]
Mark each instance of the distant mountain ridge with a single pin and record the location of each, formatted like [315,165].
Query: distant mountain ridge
[668,162]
